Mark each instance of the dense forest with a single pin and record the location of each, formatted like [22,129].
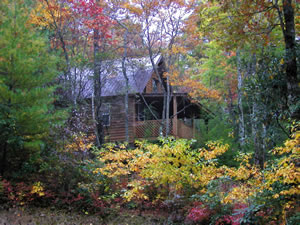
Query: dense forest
[238,61]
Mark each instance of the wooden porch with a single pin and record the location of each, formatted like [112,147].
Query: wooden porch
[179,125]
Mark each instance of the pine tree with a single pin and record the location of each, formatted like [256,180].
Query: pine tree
[27,70]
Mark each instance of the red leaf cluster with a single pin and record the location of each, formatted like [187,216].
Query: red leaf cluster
[199,214]
[91,16]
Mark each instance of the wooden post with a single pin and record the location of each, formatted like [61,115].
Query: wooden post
[194,128]
[175,116]
[134,118]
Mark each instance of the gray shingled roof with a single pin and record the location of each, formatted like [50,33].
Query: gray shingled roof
[115,84]
[139,72]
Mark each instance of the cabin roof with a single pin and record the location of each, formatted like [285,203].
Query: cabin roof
[139,72]
[116,85]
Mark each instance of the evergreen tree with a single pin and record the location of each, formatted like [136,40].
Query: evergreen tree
[27,70]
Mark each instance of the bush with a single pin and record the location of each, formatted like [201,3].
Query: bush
[170,171]
[199,215]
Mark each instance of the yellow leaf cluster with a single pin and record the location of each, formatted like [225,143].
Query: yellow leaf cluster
[214,149]
[38,189]
[285,170]
[135,191]
[240,193]
[44,15]
[81,142]
[255,180]
[172,164]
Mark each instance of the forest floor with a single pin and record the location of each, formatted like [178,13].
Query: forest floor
[52,216]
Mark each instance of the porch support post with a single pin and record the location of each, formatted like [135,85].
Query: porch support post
[175,116]
[194,127]
[134,118]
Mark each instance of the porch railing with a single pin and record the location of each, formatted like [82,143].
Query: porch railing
[150,129]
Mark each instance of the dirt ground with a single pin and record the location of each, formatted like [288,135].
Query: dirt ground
[41,216]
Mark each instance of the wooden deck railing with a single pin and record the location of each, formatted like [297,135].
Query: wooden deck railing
[149,129]
[153,129]
[185,131]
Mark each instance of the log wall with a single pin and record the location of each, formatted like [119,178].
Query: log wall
[116,130]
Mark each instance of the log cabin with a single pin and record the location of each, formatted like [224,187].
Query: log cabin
[146,97]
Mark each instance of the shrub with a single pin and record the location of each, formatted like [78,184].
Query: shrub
[161,170]
[199,215]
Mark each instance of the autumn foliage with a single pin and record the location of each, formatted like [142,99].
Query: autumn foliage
[238,59]
[153,174]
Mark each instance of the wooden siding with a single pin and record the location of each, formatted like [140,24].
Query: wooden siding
[185,131]
[149,86]
[116,130]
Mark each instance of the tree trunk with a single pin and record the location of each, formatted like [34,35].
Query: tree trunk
[264,141]
[67,72]
[290,47]
[256,135]
[97,91]
[240,101]
[94,118]
[154,66]
[155,69]
[287,25]
[125,37]
[126,114]
[164,115]
[232,114]
[3,159]
[168,100]
[256,120]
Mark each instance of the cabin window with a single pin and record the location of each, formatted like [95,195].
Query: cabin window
[105,111]
[154,85]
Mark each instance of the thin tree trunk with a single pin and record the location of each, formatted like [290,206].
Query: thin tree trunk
[125,37]
[97,91]
[256,134]
[264,141]
[155,69]
[67,71]
[74,87]
[168,97]
[256,120]
[126,112]
[164,114]
[94,119]
[164,90]
[232,114]
[240,101]
[3,159]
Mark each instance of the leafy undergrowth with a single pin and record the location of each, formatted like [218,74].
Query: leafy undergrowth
[45,216]
[169,183]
